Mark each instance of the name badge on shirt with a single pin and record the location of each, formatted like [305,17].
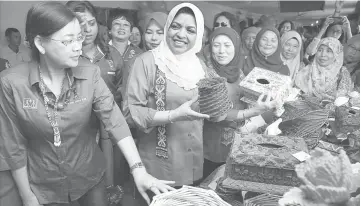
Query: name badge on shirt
[30,103]
[111,73]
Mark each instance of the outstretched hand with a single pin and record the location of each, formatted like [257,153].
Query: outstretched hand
[145,181]
[185,112]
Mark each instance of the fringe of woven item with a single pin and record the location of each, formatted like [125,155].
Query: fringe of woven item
[189,196]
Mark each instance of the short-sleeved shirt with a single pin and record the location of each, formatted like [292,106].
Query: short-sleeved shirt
[4,64]
[111,69]
[57,174]
[14,59]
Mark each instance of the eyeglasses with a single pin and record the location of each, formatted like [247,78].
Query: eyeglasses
[222,24]
[79,39]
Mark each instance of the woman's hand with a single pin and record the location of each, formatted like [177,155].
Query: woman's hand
[145,181]
[345,22]
[329,20]
[31,201]
[268,104]
[185,112]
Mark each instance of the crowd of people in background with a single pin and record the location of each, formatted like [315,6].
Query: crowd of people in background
[85,106]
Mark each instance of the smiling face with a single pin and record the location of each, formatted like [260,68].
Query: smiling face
[153,35]
[268,43]
[290,48]
[121,29]
[89,26]
[63,48]
[324,56]
[182,34]
[223,49]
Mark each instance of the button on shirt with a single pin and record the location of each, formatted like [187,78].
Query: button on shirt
[14,59]
[57,174]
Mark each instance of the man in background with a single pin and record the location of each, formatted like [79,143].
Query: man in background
[14,52]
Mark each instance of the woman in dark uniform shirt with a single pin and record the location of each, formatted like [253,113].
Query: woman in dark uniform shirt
[49,109]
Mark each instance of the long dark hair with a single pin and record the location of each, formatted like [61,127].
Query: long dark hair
[44,19]
[83,6]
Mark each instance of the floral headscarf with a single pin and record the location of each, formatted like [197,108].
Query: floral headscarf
[318,80]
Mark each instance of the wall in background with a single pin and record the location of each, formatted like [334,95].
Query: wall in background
[13,13]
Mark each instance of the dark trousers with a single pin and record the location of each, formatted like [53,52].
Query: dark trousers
[96,196]
[209,167]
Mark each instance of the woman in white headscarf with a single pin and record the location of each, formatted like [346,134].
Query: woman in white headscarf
[161,100]
[291,54]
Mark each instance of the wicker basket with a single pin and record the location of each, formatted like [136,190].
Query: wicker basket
[189,196]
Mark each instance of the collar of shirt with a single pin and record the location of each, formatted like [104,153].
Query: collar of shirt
[78,72]
[99,55]
[111,43]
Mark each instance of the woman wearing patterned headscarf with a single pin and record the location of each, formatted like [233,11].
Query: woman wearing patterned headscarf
[325,77]
[266,53]
[161,101]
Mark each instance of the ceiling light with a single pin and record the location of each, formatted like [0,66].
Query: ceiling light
[311,24]
[316,22]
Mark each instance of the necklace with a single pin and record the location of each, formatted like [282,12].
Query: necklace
[53,121]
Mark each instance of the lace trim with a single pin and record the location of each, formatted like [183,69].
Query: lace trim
[183,83]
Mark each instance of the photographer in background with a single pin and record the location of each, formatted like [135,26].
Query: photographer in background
[334,26]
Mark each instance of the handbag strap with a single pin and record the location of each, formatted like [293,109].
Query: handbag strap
[161,149]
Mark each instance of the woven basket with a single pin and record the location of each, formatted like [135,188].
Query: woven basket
[213,96]
[263,200]
[189,196]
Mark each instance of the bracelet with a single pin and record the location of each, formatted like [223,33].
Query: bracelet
[135,166]
[169,118]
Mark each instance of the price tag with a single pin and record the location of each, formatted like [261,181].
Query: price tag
[301,156]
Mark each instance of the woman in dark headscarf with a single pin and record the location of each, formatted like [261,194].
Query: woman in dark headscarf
[266,53]
[153,29]
[225,61]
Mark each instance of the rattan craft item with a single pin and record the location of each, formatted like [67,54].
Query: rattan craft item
[213,96]
[189,196]
[263,200]
[307,126]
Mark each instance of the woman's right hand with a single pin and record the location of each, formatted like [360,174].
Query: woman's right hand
[31,201]
[329,20]
[185,112]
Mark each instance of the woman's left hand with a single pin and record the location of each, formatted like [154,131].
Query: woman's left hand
[345,22]
[145,181]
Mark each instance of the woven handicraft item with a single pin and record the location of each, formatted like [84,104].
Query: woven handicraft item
[261,163]
[261,81]
[161,149]
[213,96]
[263,200]
[189,196]
[307,126]
[347,118]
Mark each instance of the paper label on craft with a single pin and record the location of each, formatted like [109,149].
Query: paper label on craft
[301,156]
